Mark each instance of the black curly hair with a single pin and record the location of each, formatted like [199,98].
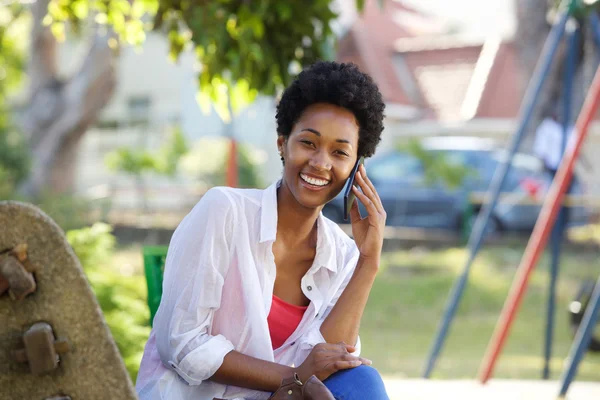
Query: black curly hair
[341,84]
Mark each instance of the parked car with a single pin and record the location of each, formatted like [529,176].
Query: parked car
[412,201]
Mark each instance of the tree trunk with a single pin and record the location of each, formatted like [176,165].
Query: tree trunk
[531,33]
[60,111]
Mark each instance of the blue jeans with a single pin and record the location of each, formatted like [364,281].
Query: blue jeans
[362,383]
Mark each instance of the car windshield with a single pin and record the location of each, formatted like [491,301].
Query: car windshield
[522,161]
[395,165]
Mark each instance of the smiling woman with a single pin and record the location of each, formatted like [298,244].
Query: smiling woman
[262,295]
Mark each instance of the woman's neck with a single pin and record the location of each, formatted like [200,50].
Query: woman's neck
[295,223]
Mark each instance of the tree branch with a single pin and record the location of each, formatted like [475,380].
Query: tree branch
[60,110]
[42,51]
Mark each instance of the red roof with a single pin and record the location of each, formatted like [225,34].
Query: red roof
[441,76]
[445,77]
[370,43]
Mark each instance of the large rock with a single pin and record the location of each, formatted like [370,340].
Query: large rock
[92,368]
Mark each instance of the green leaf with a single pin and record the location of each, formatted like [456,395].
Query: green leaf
[80,9]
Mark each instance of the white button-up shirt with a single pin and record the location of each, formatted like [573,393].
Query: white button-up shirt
[217,291]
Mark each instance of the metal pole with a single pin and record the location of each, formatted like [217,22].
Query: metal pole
[476,238]
[559,228]
[582,341]
[595,21]
[541,231]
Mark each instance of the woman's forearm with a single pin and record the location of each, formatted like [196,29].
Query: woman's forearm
[252,373]
[343,322]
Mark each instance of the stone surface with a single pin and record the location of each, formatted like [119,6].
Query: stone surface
[93,368]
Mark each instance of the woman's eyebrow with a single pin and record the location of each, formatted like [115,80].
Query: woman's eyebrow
[316,132]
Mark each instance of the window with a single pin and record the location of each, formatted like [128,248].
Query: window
[395,166]
[139,109]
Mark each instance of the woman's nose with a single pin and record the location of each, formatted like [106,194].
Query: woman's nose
[320,161]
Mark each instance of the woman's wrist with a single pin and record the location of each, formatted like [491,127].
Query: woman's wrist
[368,263]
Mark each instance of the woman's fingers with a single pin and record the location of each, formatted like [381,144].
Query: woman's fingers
[369,183]
[370,193]
[340,347]
[355,212]
[333,356]
[344,364]
[369,189]
[369,205]
[365,361]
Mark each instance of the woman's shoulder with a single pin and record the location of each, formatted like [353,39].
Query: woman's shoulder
[224,196]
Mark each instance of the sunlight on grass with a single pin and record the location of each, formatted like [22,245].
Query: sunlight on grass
[408,299]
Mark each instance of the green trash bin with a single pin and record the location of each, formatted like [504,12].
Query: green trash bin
[154,267]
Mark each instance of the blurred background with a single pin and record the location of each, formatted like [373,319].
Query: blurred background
[116,116]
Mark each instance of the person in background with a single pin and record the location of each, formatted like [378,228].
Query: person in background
[548,143]
[260,289]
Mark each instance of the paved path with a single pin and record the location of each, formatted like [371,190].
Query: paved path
[496,389]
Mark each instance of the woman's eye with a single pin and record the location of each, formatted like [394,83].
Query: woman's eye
[342,153]
[307,142]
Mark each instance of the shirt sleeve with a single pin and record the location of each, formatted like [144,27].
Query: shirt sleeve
[313,335]
[539,147]
[197,262]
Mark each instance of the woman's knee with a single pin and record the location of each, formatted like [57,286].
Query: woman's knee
[360,382]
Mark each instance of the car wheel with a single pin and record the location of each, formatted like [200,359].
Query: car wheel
[577,309]
[493,225]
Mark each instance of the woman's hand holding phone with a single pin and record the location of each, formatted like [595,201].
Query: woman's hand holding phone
[367,231]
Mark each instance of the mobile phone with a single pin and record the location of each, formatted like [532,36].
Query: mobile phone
[349,195]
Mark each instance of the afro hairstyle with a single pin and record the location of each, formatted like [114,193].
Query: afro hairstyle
[340,84]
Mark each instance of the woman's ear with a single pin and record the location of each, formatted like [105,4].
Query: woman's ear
[281,141]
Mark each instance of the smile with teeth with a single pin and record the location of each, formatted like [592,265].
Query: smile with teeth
[314,181]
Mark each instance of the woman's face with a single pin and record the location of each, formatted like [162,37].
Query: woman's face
[319,153]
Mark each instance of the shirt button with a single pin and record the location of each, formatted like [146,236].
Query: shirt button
[309,288]
[317,315]
[293,343]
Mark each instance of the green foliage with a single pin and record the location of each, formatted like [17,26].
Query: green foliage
[122,297]
[14,155]
[208,161]
[171,153]
[93,245]
[248,173]
[131,161]
[14,160]
[12,50]
[437,167]
[137,162]
[243,47]
[68,211]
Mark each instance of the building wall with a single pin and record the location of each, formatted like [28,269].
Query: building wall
[161,94]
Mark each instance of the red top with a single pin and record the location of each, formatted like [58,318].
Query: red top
[283,320]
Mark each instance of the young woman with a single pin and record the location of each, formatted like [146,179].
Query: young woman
[259,286]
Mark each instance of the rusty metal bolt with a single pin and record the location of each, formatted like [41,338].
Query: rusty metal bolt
[41,349]
[16,273]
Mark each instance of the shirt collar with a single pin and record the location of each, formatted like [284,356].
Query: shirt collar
[325,255]
[268,213]
[326,245]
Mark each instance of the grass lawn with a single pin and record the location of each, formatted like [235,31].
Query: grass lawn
[407,302]
[405,307]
